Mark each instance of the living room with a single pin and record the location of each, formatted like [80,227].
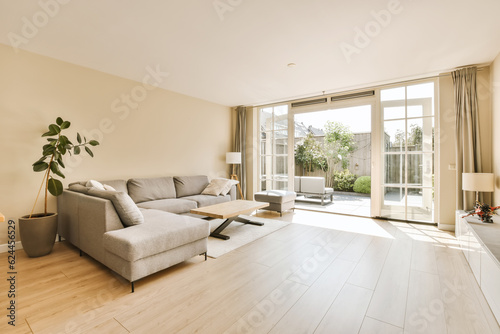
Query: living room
[159,93]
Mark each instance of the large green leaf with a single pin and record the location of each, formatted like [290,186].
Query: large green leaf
[65,125]
[49,133]
[59,121]
[89,151]
[61,149]
[61,163]
[49,150]
[54,128]
[40,166]
[76,150]
[55,187]
[54,167]
[78,138]
[94,142]
[63,140]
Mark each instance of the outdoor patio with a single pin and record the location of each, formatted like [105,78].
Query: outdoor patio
[343,202]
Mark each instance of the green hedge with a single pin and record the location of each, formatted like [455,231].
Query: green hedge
[343,181]
[363,185]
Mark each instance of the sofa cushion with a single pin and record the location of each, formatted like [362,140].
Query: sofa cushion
[228,186]
[160,232]
[173,205]
[206,200]
[190,185]
[94,184]
[119,185]
[125,207]
[150,189]
[215,187]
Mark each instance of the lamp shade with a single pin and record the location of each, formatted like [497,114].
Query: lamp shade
[233,157]
[484,182]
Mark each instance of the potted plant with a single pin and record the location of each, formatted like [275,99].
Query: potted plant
[38,231]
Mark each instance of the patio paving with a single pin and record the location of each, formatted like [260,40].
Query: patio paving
[344,203]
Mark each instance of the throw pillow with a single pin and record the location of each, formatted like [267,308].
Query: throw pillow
[228,186]
[215,187]
[94,184]
[125,207]
[108,187]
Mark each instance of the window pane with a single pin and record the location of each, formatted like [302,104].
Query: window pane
[394,112]
[281,166]
[263,147]
[281,134]
[266,165]
[394,196]
[266,117]
[394,169]
[421,134]
[280,122]
[425,90]
[420,204]
[281,146]
[281,110]
[280,185]
[416,110]
[420,169]
[392,94]
[394,136]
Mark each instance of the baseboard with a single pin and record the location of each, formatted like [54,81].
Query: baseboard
[446,227]
[5,247]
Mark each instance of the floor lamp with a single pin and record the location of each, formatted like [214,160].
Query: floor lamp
[234,158]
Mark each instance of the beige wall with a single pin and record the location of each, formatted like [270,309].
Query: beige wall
[495,103]
[446,158]
[166,134]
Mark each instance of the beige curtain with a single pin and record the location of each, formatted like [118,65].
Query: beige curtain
[240,146]
[468,145]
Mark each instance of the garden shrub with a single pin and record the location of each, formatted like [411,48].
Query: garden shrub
[363,185]
[343,181]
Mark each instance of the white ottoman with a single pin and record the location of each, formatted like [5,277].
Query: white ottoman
[279,200]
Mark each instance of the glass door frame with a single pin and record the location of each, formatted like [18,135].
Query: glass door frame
[342,104]
[378,153]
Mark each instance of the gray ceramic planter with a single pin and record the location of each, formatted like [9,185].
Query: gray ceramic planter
[38,233]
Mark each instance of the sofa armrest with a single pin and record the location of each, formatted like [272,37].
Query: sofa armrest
[233,193]
[84,219]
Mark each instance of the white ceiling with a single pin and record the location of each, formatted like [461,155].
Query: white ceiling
[239,55]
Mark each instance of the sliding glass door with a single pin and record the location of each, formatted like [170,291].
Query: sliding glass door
[274,148]
[408,152]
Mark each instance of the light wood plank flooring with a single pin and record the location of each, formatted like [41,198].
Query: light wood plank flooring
[324,273]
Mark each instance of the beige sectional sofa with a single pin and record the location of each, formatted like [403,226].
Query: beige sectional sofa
[142,227]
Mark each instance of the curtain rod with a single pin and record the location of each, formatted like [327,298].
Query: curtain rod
[444,74]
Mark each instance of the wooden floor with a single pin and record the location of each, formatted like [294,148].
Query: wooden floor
[324,273]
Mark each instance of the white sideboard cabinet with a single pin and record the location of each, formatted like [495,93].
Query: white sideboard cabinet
[480,243]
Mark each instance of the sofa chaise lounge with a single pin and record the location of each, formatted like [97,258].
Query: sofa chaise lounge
[161,232]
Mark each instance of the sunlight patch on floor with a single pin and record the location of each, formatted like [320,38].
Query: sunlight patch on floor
[344,223]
